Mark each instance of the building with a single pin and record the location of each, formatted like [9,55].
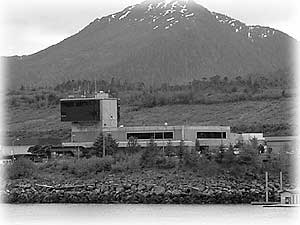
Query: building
[91,116]
[208,136]
[10,153]
[281,144]
[290,197]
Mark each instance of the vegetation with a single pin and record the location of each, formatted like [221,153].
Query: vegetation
[21,168]
[208,90]
[250,161]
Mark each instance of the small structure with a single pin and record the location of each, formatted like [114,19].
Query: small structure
[290,197]
[10,153]
[281,144]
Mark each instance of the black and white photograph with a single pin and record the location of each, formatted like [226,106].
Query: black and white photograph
[149,112]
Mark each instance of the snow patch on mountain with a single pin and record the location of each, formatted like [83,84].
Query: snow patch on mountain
[189,15]
[124,15]
[149,7]
[251,32]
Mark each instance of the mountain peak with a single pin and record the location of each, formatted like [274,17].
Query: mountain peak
[168,3]
[157,14]
[162,40]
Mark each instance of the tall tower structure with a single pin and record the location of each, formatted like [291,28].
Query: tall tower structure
[89,116]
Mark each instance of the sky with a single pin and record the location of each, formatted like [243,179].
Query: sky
[28,26]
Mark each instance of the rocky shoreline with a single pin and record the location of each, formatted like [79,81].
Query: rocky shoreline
[145,187]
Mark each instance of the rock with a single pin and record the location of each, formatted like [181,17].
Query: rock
[141,187]
[119,189]
[176,192]
[158,190]
[133,188]
[149,187]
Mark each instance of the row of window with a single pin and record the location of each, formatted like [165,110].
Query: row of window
[170,135]
[79,103]
[152,135]
[214,135]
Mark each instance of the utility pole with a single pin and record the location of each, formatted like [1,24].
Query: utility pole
[280,176]
[267,189]
[165,127]
[13,148]
[103,145]
[77,152]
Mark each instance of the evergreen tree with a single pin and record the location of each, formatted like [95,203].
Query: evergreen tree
[111,146]
[197,146]
[132,145]
[169,149]
[181,150]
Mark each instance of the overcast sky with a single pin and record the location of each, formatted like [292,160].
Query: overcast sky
[29,26]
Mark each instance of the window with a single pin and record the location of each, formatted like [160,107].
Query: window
[140,135]
[168,135]
[213,135]
[80,110]
[159,135]
[154,135]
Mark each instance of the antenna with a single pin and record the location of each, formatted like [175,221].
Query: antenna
[95,86]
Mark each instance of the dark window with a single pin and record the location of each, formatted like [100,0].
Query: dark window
[159,135]
[80,110]
[214,135]
[140,135]
[168,135]
[156,135]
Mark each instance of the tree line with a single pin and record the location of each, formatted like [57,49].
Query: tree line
[207,90]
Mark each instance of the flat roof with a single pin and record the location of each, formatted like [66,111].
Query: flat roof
[281,138]
[14,150]
[166,128]
[89,98]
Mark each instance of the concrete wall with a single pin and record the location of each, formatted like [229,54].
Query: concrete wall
[190,134]
[289,198]
[89,133]
[281,144]
[85,131]
[108,112]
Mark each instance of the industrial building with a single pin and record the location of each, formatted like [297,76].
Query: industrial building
[90,116]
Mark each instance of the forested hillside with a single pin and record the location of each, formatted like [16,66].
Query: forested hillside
[255,104]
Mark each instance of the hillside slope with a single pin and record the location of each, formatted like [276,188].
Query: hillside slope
[245,116]
[157,41]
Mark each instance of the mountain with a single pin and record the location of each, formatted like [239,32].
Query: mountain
[157,41]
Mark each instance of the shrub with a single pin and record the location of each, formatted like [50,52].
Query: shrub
[81,167]
[21,168]
[169,149]
[207,167]
[127,162]
[167,162]
[150,154]
[190,159]
[84,167]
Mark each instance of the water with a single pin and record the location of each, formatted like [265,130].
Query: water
[85,214]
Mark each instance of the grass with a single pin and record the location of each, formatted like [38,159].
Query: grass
[248,112]
[27,122]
